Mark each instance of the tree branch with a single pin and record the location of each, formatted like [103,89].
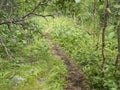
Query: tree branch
[6,49]
[48,15]
[13,21]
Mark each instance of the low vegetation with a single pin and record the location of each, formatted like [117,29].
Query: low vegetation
[86,31]
[80,46]
[34,68]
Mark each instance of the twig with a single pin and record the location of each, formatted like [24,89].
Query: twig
[6,49]
[44,15]
[13,21]
[117,61]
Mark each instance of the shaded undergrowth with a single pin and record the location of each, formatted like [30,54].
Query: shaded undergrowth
[35,68]
[75,78]
[78,42]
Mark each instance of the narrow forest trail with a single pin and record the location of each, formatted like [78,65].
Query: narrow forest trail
[75,77]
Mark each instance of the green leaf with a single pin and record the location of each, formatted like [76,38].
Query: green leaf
[108,9]
[118,13]
[117,6]
[22,0]
[111,35]
[77,1]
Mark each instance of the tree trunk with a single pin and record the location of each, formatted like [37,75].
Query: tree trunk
[118,35]
[118,55]
[103,33]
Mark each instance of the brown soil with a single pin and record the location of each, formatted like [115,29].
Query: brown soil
[75,78]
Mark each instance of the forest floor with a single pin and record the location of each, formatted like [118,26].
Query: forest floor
[75,78]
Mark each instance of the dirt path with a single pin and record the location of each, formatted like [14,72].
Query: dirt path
[75,77]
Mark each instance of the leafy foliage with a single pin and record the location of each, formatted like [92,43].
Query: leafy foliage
[35,68]
[76,27]
[80,46]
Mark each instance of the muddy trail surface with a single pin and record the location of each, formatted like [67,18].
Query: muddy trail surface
[75,77]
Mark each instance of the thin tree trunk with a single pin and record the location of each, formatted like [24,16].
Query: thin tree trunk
[103,33]
[94,34]
[118,35]
[118,55]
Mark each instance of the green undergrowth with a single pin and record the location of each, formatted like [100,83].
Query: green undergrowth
[35,68]
[80,46]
